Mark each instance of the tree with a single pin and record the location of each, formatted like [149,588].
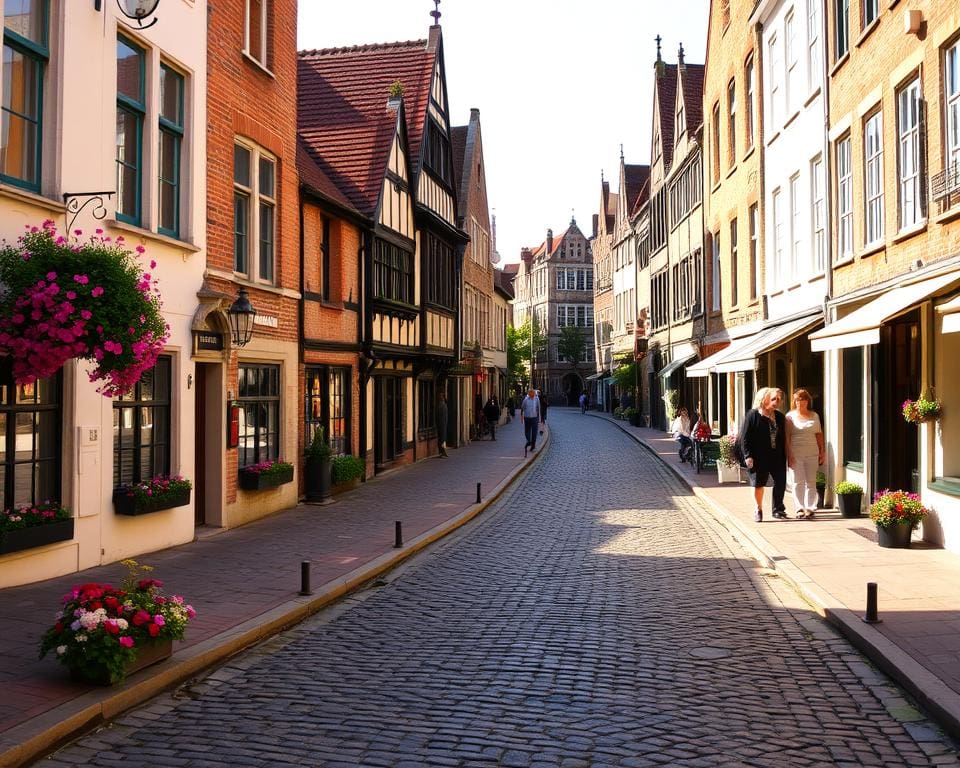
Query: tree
[625,376]
[518,351]
[572,344]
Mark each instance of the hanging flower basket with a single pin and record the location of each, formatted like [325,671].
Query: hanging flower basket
[86,300]
[922,409]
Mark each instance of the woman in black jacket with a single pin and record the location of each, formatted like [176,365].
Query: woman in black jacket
[763,443]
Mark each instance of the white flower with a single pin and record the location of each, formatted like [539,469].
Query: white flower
[81,638]
[122,623]
[61,649]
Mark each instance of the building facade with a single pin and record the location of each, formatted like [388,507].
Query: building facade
[603,306]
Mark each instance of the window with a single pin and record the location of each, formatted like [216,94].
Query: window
[873,178]
[748,102]
[131,109]
[814,57]
[754,251]
[852,358]
[715,273]
[716,143]
[439,273]
[681,120]
[871,10]
[575,314]
[732,125]
[776,74]
[791,99]
[171,142]
[796,232]
[256,30]
[733,263]
[259,400]
[777,239]
[951,81]
[141,428]
[254,212]
[842,29]
[30,419]
[392,272]
[426,405]
[25,57]
[437,152]
[818,215]
[909,156]
[328,406]
[844,200]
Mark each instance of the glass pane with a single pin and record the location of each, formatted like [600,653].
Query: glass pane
[171,96]
[146,385]
[47,390]
[161,380]
[128,175]
[241,165]
[48,484]
[24,436]
[26,393]
[146,463]
[255,30]
[129,71]
[48,435]
[169,181]
[243,389]
[23,484]
[3,438]
[18,153]
[274,380]
[27,18]
[266,242]
[266,177]
[241,214]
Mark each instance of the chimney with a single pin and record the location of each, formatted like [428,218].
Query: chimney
[549,242]
[526,256]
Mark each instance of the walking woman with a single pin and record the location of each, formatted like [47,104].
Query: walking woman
[763,442]
[805,438]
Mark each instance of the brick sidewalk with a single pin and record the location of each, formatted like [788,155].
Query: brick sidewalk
[244,584]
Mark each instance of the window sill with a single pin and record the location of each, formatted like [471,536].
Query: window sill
[733,170]
[773,137]
[892,5]
[843,261]
[790,119]
[716,186]
[870,250]
[839,63]
[16,193]
[146,234]
[868,30]
[750,150]
[812,97]
[915,229]
[258,65]
[238,279]
[949,215]
[950,487]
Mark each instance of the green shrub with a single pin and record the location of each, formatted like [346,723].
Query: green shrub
[821,478]
[848,487]
[346,468]
[630,413]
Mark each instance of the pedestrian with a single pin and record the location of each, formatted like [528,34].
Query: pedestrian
[583,403]
[681,433]
[491,412]
[530,411]
[543,408]
[806,452]
[763,444]
[511,408]
[442,424]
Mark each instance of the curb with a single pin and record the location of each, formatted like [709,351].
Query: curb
[42,734]
[930,692]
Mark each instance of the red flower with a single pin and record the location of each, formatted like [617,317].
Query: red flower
[96,605]
[140,618]
[147,583]
[153,630]
[111,602]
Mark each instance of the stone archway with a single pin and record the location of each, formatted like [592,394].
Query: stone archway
[572,385]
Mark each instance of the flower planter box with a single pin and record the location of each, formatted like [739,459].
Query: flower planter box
[123,504]
[252,481]
[37,536]
[146,655]
[727,473]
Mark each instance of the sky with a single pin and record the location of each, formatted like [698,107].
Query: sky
[560,85]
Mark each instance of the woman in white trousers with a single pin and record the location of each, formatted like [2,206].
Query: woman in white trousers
[806,453]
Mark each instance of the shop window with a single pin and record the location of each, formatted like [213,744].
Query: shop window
[328,406]
[426,406]
[141,428]
[853,406]
[259,400]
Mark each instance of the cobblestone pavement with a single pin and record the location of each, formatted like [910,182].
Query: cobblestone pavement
[593,618]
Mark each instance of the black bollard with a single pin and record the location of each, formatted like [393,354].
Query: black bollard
[305,578]
[398,535]
[478,493]
[871,617]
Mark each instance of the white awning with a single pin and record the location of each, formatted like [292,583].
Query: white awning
[951,315]
[862,326]
[677,363]
[708,365]
[744,358]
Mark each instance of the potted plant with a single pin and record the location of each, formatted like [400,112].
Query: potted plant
[316,477]
[88,300]
[821,488]
[103,633]
[896,514]
[922,409]
[849,498]
[266,474]
[618,412]
[728,465]
[633,416]
[161,492]
[26,527]
[671,399]
[347,471]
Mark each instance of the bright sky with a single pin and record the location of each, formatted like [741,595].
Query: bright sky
[560,85]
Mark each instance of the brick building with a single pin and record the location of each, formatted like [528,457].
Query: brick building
[601,242]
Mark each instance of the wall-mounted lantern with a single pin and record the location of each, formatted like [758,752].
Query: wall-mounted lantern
[241,314]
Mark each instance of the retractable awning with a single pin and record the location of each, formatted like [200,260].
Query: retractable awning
[951,315]
[744,358]
[705,367]
[600,375]
[862,326]
[669,369]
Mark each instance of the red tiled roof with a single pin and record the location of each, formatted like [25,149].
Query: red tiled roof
[666,89]
[642,198]
[343,118]
[315,179]
[458,145]
[512,268]
[635,179]
[692,78]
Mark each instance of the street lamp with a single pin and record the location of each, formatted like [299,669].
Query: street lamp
[241,315]
[138,10]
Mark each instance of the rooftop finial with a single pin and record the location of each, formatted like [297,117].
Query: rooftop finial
[436,12]
[680,55]
[621,152]
[659,40]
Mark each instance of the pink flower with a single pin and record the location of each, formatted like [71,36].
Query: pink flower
[153,264]
[98,291]
[81,279]
[126,641]
[140,249]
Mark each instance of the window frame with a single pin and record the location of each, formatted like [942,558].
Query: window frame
[427,400]
[754,221]
[270,401]
[814,57]
[160,414]
[749,89]
[790,60]
[951,106]
[796,231]
[841,37]
[843,152]
[818,215]
[870,12]
[137,110]
[392,272]
[734,258]
[328,404]
[873,192]
[732,122]
[715,296]
[776,210]
[262,54]
[257,203]
[909,142]
[175,130]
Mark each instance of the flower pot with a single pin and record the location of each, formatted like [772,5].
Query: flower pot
[849,504]
[727,473]
[895,536]
[316,479]
[37,536]
[147,654]
[635,420]
[125,504]
[259,481]
[821,490]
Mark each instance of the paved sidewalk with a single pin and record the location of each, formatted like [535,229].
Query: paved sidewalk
[829,560]
[244,584]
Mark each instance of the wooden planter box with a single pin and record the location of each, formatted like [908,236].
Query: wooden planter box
[38,536]
[127,505]
[146,655]
[251,481]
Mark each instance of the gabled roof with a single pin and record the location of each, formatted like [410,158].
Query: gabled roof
[503,280]
[343,118]
[641,200]
[317,181]
[691,77]
[458,145]
[635,178]
[665,88]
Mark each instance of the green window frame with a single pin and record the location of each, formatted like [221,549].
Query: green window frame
[131,111]
[26,54]
[170,150]
[141,427]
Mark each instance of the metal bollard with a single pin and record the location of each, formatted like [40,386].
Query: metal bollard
[871,617]
[398,535]
[305,578]
[478,493]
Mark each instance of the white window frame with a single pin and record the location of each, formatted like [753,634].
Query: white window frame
[796,231]
[814,56]
[951,105]
[844,198]
[909,159]
[775,75]
[754,214]
[732,120]
[873,178]
[777,209]
[871,12]
[258,200]
[259,52]
[715,301]
[818,215]
[790,61]
[748,87]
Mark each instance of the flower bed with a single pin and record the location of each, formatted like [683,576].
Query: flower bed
[152,496]
[34,526]
[266,474]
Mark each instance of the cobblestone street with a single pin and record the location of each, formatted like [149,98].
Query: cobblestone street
[595,616]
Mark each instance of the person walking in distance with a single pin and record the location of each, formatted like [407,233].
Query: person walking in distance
[583,403]
[530,411]
[805,438]
[442,424]
[491,412]
[764,446]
